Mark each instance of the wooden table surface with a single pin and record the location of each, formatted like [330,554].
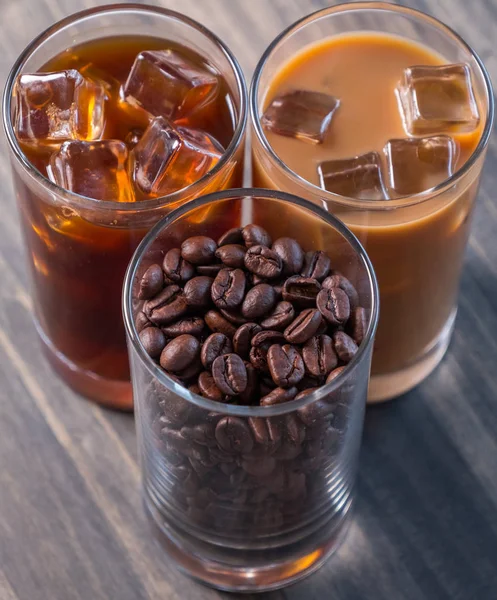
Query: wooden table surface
[425,525]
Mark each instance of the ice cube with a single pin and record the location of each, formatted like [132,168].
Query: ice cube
[301,114]
[110,84]
[438,99]
[418,164]
[94,169]
[358,177]
[58,106]
[167,84]
[168,158]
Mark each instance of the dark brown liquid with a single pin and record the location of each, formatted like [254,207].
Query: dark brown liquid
[79,260]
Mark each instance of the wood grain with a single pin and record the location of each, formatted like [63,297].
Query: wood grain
[425,526]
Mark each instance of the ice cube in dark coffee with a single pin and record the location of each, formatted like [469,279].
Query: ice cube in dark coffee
[58,106]
[438,99]
[168,158]
[418,164]
[94,169]
[167,84]
[110,83]
[301,114]
[357,177]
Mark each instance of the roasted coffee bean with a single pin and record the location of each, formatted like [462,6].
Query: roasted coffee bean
[358,324]
[345,347]
[319,356]
[325,446]
[267,338]
[294,429]
[291,255]
[310,382]
[230,374]
[153,341]
[200,469]
[314,412]
[267,384]
[253,235]
[256,279]
[258,301]
[180,353]
[261,467]
[164,422]
[209,270]
[262,261]
[175,408]
[323,327]
[199,250]
[258,359]
[233,316]
[208,387]
[228,468]
[198,291]
[232,255]
[203,433]
[251,393]
[335,373]
[305,392]
[232,236]
[274,431]
[194,389]
[334,305]
[189,479]
[228,288]
[288,450]
[219,324]
[301,291]
[278,396]
[151,282]
[242,340]
[175,440]
[215,345]
[176,267]
[316,265]
[142,322]
[285,365]
[191,371]
[338,280]
[168,306]
[259,429]
[190,325]
[304,326]
[275,483]
[234,436]
[221,455]
[281,316]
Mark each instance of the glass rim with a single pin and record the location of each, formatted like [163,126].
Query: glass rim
[135,345]
[375,205]
[142,205]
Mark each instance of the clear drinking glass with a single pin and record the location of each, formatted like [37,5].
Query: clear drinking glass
[78,248]
[415,243]
[233,509]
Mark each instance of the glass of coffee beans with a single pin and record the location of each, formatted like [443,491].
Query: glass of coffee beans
[250,353]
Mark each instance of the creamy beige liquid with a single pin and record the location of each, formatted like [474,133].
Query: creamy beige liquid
[416,252]
[362,70]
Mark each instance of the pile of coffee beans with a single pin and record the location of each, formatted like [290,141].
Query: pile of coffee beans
[245,320]
[248,321]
